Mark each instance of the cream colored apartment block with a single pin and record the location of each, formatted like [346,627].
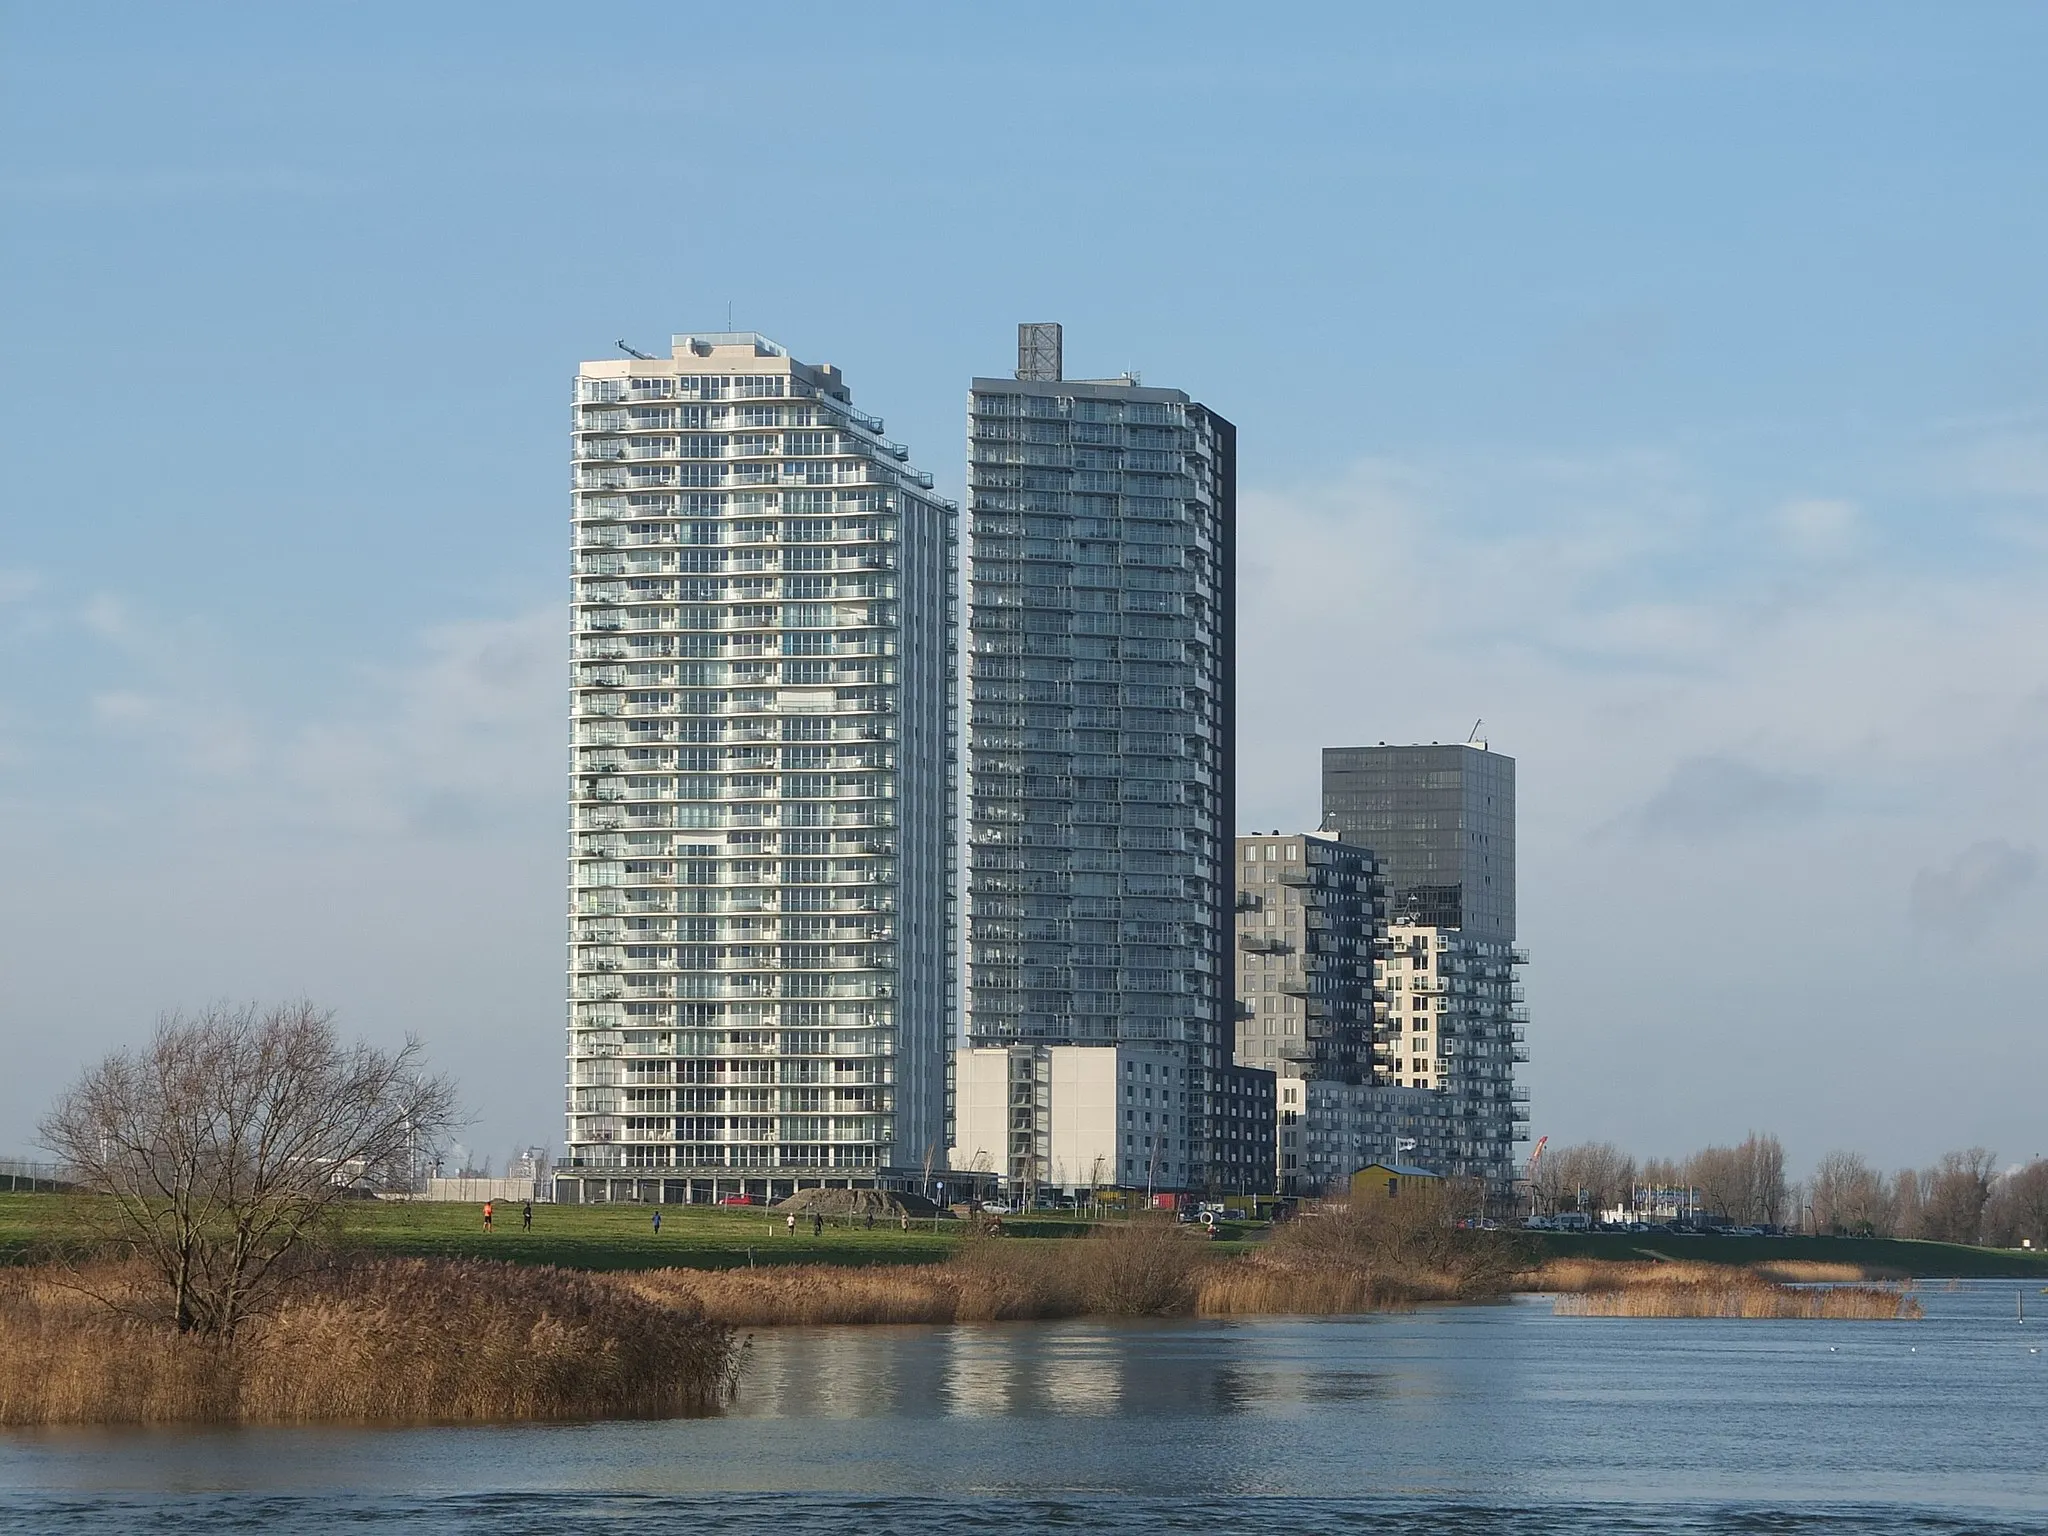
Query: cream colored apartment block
[1074,1117]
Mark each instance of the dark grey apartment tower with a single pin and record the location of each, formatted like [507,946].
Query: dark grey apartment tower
[1100,519]
[1311,922]
[1442,819]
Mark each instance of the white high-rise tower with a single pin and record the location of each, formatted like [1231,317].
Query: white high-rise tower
[762,904]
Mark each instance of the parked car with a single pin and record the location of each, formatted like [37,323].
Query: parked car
[738,1200]
[996,1208]
[1742,1231]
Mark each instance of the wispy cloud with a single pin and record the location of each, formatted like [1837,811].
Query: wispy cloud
[1713,796]
[1720,738]
[1959,896]
[1819,527]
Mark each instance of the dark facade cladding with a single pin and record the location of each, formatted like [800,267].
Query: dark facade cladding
[1443,821]
[1101,531]
[1311,920]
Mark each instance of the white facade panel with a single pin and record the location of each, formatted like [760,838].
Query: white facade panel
[762,900]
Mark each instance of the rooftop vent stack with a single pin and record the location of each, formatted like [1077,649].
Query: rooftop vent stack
[1040,352]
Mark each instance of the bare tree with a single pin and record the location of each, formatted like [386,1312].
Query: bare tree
[1592,1176]
[1744,1183]
[2018,1210]
[213,1152]
[1958,1188]
[1909,1203]
[1849,1197]
[1768,1194]
[1717,1173]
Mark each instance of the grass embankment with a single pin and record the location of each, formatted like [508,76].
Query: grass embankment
[390,1340]
[1874,1256]
[1685,1288]
[589,1237]
[622,1237]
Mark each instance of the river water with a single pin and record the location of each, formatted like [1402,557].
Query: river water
[1467,1420]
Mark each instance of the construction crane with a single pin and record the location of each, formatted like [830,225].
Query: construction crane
[1529,1173]
[645,357]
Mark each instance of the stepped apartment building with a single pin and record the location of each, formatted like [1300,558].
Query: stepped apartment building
[1311,919]
[1101,521]
[1311,948]
[1442,819]
[762,901]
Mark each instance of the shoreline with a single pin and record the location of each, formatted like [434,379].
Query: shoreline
[469,1342]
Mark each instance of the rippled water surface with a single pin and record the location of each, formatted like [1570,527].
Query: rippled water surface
[1479,1420]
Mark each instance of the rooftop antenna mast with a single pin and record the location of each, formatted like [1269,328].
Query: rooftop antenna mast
[645,357]
[1041,352]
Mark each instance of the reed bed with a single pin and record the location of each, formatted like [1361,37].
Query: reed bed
[1688,1288]
[1138,1269]
[1741,1294]
[1130,1270]
[396,1340]
[1594,1275]
[1814,1272]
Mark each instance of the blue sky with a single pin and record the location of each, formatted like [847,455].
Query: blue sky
[1664,386]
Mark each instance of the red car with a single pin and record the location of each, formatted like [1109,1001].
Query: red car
[737,1200]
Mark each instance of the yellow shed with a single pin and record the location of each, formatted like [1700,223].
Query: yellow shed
[1384,1181]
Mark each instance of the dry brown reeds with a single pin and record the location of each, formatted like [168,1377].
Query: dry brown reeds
[409,1339]
[1687,1288]
[1600,1275]
[1133,1269]
[1337,1262]
[1363,1256]
[1742,1294]
[1257,1286]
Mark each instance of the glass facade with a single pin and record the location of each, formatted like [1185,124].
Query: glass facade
[1442,819]
[762,902]
[1100,728]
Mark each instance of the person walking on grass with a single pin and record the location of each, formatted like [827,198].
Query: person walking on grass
[906,1218]
[790,1222]
[817,1225]
[487,1215]
[526,1217]
[871,1222]
[657,1221]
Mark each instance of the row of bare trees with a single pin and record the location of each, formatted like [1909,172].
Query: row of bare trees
[1962,1198]
[1743,1183]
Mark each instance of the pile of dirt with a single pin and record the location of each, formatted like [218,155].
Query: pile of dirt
[857,1202]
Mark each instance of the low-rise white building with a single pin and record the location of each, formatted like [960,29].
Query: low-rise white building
[1074,1116]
